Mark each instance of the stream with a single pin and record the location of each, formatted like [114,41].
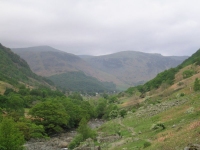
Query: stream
[58,142]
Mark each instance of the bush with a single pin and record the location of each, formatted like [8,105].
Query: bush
[196,85]
[158,126]
[147,144]
[76,141]
[10,136]
[188,73]
[122,113]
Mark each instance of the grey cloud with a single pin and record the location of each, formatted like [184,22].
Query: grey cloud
[102,27]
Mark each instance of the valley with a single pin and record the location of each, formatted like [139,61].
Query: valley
[163,113]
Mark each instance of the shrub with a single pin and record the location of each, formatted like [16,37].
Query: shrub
[10,136]
[188,73]
[158,126]
[122,113]
[196,85]
[76,141]
[147,144]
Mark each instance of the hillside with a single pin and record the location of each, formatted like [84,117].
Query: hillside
[133,67]
[166,116]
[47,61]
[14,70]
[79,82]
[124,69]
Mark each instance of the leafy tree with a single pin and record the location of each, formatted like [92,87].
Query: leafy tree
[8,91]
[76,141]
[52,115]
[76,96]
[85,130]
[108,110]
[196,85]
[100,109]
[31,130]
[10,136]
[112,99]
[113,114]
[122,113]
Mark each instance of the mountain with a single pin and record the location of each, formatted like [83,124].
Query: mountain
[125,69]
[14,70]
[133,67]
[47,61]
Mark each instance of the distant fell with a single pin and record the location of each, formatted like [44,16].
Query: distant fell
[133,67]
[125,69]
[47,61]
[167,77]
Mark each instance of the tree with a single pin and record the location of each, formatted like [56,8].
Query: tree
[52,115]
[85,130]
[100,109]
[122,113]
[113,114]
[196,85]
[10,136]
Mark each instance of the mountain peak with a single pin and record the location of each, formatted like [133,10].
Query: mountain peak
[42,48]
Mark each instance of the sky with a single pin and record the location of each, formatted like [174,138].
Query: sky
[100,27]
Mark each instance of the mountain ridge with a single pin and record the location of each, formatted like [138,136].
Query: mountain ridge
[125,68]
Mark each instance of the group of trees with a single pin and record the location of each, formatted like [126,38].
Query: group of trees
[79,82]
[38,113]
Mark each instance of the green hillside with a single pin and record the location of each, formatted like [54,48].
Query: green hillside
[13,69]
[167,77]
[162,114]
[78,81]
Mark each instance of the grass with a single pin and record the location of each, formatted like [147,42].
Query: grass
[3,86]
[182,127]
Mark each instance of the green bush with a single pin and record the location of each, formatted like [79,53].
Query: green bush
[76,141]
[122,113]
[188,73]
[196,85]
[158,126]
[147,144]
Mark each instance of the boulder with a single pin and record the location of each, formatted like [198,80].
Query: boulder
[63,144]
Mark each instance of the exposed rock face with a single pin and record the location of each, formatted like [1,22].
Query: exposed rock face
[111,138]
[95,123]
[152,110]
[192,147]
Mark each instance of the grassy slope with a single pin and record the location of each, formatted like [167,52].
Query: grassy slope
[179,114]
[14,71]
[3,86]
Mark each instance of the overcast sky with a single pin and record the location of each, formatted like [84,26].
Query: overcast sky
[98,27]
